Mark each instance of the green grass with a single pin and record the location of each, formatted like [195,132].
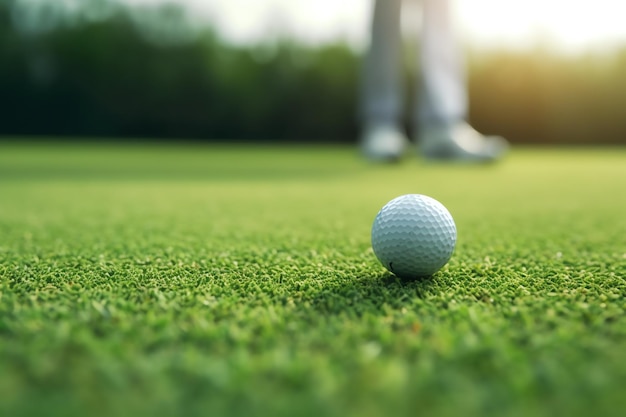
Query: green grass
[224,281]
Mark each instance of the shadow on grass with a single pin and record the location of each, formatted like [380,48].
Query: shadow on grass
[370,294]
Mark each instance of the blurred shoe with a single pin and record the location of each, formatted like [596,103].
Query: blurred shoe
[460,142]
[383,143]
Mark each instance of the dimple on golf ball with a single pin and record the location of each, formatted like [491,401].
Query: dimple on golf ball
[413,236]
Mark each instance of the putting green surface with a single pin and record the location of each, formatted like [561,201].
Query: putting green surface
[240,281]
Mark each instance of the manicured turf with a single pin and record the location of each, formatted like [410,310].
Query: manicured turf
[227,281]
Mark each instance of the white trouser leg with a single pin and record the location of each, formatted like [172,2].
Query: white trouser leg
[442,93]
[381,90]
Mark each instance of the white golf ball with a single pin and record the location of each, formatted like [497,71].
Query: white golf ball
[413,236]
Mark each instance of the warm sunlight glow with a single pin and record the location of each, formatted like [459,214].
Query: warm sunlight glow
[567,24]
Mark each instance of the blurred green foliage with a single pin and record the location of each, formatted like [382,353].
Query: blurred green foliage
[99,69]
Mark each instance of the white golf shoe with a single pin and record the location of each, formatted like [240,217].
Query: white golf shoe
[460,142]
[383,143]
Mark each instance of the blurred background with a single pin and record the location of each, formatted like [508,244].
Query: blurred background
[540,72]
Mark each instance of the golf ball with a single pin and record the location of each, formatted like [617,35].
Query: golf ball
[413,236]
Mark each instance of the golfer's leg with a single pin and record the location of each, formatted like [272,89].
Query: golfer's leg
[381,90]
[442,94]
[443,132]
